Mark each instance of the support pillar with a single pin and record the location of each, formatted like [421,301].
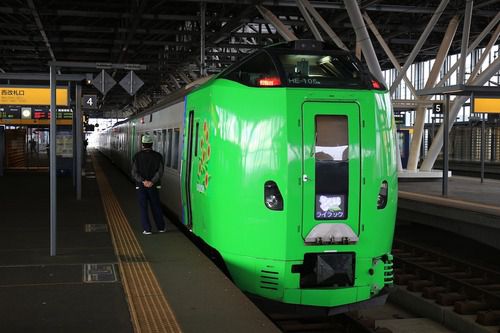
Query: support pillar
[309,20]
[418,128]
[481,79]
[420,43]
[203,69]
[363,38]
[474,44]
[78,136]
[465,40]
[52,164]
[334,37]
[280,27]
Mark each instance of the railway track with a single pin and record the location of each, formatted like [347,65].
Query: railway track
[349,322]
[470,289]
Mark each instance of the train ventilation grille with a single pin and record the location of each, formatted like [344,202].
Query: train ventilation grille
[269,280]
[388,272]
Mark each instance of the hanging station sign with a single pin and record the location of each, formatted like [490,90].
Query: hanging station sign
[15,95]
[485,104]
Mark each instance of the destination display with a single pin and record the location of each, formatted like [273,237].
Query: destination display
[10,112]
[37,112]
[330,207]
[41,112]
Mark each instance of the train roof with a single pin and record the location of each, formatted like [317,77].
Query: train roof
[305,45]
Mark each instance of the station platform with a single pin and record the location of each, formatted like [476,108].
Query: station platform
[471,208]
[106,276]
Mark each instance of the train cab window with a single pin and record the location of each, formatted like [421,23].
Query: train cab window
[332,167]
[175,149]
[321,70]
[253,71]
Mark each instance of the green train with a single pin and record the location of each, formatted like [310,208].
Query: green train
[285,164]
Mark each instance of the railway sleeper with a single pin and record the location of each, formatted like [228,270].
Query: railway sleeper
[489,318]
[476,281]
[419,285]
[469,307]
[460,275]
[448,299]
[402,279]
[432,291]
[445,269]
[490,287]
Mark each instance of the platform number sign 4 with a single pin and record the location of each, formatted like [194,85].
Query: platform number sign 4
[89,101]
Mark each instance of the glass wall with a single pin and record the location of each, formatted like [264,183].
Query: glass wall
[418,74]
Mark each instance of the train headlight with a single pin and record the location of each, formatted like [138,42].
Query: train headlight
[382,196]
[272,196]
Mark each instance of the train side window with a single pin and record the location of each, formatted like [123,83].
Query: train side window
[175,149]
[155,141]
[168,154]
[163,143]
[259,67]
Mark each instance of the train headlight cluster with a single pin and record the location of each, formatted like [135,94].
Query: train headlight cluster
[272,196]
[382,196]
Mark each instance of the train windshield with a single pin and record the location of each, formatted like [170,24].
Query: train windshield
[306,70]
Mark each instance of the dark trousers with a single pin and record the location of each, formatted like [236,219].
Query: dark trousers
[150,195]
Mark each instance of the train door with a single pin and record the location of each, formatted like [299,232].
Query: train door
[331,170]
[191,137]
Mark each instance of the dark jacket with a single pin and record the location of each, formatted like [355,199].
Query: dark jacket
[147,165]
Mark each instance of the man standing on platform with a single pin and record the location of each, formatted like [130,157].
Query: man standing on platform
[147,169]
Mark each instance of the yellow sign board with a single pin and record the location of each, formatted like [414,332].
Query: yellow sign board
[11,95]
[486,105]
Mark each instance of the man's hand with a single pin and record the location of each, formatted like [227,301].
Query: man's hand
[147,183]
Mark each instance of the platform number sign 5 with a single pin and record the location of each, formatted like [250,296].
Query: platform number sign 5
[437,107]
[89,101]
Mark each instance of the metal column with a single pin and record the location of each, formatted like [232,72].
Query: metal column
[446,112]
[334,37]
[78,135]
[465,41]
[203,69]
[483,145]
[485,53]
[420,42]
[363,38]
[280,27]
[389,53]
[473,45]
[421,110]
[457,104]
[52,171]
[2,148]
[309,20]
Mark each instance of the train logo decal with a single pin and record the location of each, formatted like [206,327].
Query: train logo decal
[203,158]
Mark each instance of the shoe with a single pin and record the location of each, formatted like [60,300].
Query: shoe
[162,230]
[146,232]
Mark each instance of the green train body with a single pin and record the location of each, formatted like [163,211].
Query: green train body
[239,138]
[285,164]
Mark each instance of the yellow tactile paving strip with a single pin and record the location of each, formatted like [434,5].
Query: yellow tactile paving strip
[148,306]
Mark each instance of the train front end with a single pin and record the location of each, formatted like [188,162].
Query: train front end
[303,191]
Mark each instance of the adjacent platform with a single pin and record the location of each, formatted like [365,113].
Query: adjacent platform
[471,209]
[88,286]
